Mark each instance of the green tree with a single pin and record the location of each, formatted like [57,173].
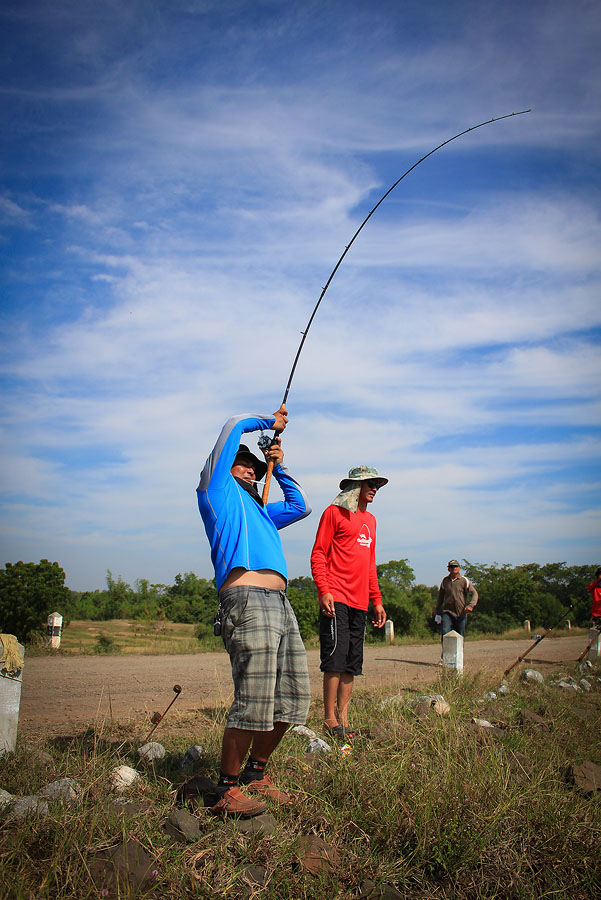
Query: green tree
[120,596]
[397,572]
[190,599]
[302,595]
[29,592]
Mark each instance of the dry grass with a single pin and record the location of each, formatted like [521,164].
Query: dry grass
[135,636]
[428,804]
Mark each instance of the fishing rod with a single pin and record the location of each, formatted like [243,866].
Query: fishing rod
[267,442]
[538,640]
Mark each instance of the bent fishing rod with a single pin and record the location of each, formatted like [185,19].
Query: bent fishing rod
[266,441]
[538,640]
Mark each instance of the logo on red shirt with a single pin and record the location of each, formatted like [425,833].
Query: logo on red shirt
[364,537]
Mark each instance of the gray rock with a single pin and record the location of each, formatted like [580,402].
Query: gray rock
[482,723]
[527,717]
[425,707]
[532,676]
[585,666]
[503,690]
[264,824]
[368,890]
[567,685]
[65,790]
[123,777]
[392,701]
[257,876]
[132,808]
[587,776]
[183,826]
[429,698]
[40,757]
[317,745]
[491,695]
[192,755]
[5,798]
[26,807]
[569,679]
[585,685]
[125,866]
[151,751]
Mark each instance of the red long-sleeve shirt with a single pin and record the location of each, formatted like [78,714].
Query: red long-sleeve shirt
[343,559]
[594,589]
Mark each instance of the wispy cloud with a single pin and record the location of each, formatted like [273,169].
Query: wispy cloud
[180,182]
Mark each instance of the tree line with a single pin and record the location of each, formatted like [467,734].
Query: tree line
[508,595]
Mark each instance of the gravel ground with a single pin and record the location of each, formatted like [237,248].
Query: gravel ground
[60,693]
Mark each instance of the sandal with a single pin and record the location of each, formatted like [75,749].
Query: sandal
[337,731]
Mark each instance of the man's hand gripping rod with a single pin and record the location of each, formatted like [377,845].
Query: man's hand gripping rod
[304,333]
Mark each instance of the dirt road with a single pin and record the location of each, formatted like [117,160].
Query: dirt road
[60,693]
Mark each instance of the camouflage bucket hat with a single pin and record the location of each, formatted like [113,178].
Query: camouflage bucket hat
[361,473]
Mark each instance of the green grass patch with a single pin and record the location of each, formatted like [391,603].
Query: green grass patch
[132,637]
[158,637]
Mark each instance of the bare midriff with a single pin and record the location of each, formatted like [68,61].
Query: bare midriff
[264,578]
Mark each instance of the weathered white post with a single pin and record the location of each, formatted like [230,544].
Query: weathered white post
[568,625]
[11,679]
[389,631]
[595,648]
[527,625]
[452,651]
[54,629]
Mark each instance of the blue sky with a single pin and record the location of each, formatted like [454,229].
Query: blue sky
[178,181]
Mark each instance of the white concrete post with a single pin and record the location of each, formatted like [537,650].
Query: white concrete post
[595,648]
[10,700]
[527,625]
[54,629]
[452,651]
[569,625]
[389,631]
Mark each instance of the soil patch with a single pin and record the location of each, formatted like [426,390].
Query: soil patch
[62,692]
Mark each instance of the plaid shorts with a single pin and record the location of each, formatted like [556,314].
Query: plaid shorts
[269,661]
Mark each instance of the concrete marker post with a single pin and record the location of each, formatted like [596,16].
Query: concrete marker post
[10,700]
[389,632]
[452,651]
[54,629]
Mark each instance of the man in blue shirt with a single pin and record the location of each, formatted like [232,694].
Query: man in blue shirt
[257,623]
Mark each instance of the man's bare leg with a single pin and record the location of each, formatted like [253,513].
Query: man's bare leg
[343,696]
[265,742]
[237,741]
[234,748]
[331,683]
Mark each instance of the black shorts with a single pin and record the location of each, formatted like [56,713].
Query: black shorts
[341,639]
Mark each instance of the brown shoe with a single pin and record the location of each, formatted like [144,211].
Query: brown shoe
[266,788]
[234,803]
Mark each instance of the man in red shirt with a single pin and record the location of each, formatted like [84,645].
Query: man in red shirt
[594,590]
[343,565]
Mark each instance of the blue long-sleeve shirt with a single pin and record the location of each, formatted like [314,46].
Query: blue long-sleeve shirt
[240,531]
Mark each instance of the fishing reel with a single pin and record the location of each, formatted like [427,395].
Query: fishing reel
[265,441]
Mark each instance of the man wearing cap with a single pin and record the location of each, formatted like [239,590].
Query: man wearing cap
[594,590]
[343,565]
[255,619]
[452,605]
